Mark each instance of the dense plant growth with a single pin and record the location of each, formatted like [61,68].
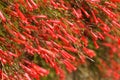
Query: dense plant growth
[41,36]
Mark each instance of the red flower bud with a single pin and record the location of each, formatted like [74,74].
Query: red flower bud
[20,14]
[95,19]
[67,55]
[72,49]
[29,5]
[30,71]
[85,12]
[89,52]
[84,39]
[2,17]
[27,76]
[69,66]
[63,39]
[34,4]
[76,14]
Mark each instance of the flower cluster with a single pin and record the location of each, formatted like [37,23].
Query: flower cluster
[59,31]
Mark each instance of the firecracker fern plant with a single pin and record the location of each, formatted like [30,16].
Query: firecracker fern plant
[37,36]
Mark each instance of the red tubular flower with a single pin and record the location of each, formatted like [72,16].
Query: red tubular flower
[21,1]
[89,52]
[29,5]
[63,39]
[72,38]
[45,1]
[67,55]
[52,33]
[62,74]
[84,39]
[55,50]
[108,12]
[30,49]
[26,29]
[28,35]
[104,27]
[111,4]
[17,76]
[76,14]
[12,54]
[54,4]
[40,70]
[27,76]
[34,4]
[40,16]
[3,53]
[57,69]
[85,12]
[21,36]
[96,45]
[4,61]
[64,26]
[113,15]
[3,75]
[32,27]
[18,41]
[51,27]
[80,24]
[79,12]
[115,1]
[82,58]
[49,60]
[37,68]
[8,29]
[2,39]
[46,51]
[118,40]
[95,0]
[100,36]
[115,23]
[71,24]
[56,45]
[95,19]
[110,36]
[2,17]
[64,7]
[20,14]
[14,14]
[69,66]
[69,48]
[116,75]
[5,57]
[94,36]
[30,71]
